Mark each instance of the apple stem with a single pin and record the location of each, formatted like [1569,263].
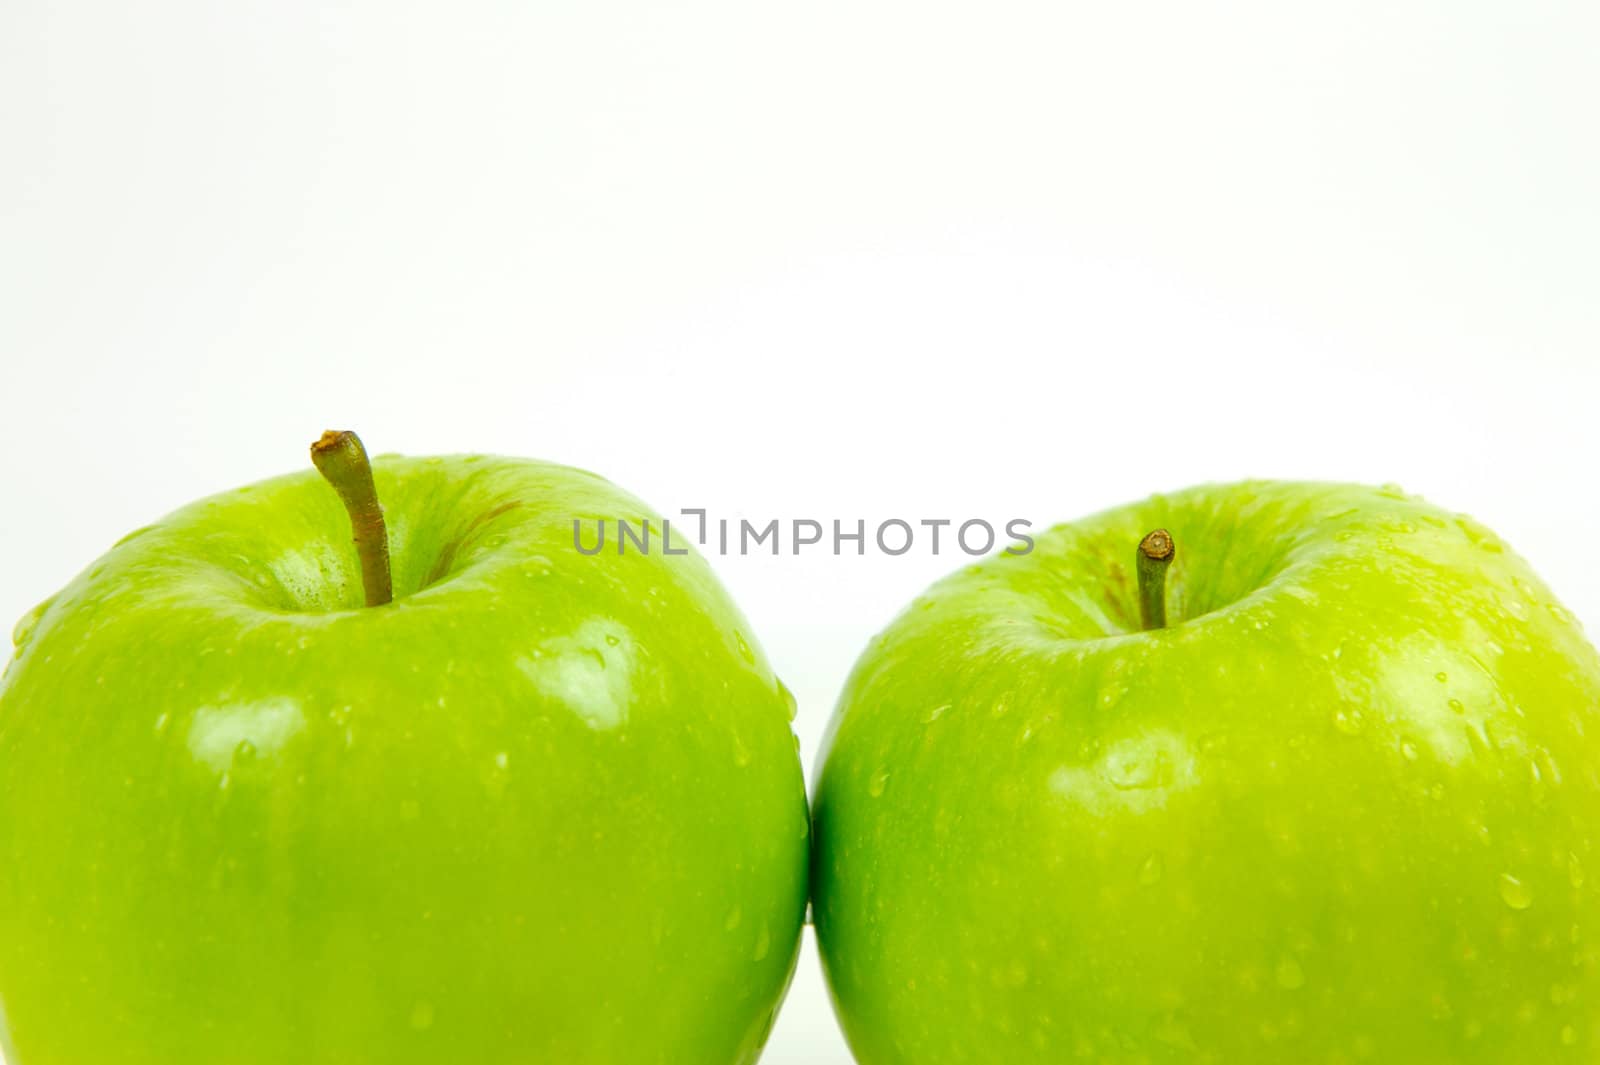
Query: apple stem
[1156,553]
[342,461]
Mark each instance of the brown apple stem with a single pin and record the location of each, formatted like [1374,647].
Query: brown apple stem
[342,461]
[1156,553]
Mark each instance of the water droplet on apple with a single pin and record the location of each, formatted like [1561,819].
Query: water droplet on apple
[502,760]
[1408,751]
[162,722]
[1441,676]
[789,703]
[805,826]
[28,623]
[735,916]
[1291,976]
[1150,871]
[741,753]
[1140,766]
[226,782]
[879,781]
[1536,778]
[1347,721]
[1458,706]
[1574,870]
[422,1016]
[612,640]
[244,753]
[744,647]
[763,943]
[133,535]
[1514,893]
[1478,736]
[936,713]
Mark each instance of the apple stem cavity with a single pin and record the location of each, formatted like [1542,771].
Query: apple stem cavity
[341,459]
[1156,552]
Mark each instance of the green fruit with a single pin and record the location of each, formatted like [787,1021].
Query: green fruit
[1342,809]
[542,808]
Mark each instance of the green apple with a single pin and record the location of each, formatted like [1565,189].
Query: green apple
[1341,808]
[540,808]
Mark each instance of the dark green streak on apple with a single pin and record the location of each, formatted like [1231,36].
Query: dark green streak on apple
[1156,552]
[340,458]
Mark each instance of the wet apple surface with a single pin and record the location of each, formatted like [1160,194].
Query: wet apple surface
[1341,807]
[539,807]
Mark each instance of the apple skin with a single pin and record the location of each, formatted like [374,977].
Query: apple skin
[1341,810]
[543,808]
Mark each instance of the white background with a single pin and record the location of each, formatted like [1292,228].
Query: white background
[825,260]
